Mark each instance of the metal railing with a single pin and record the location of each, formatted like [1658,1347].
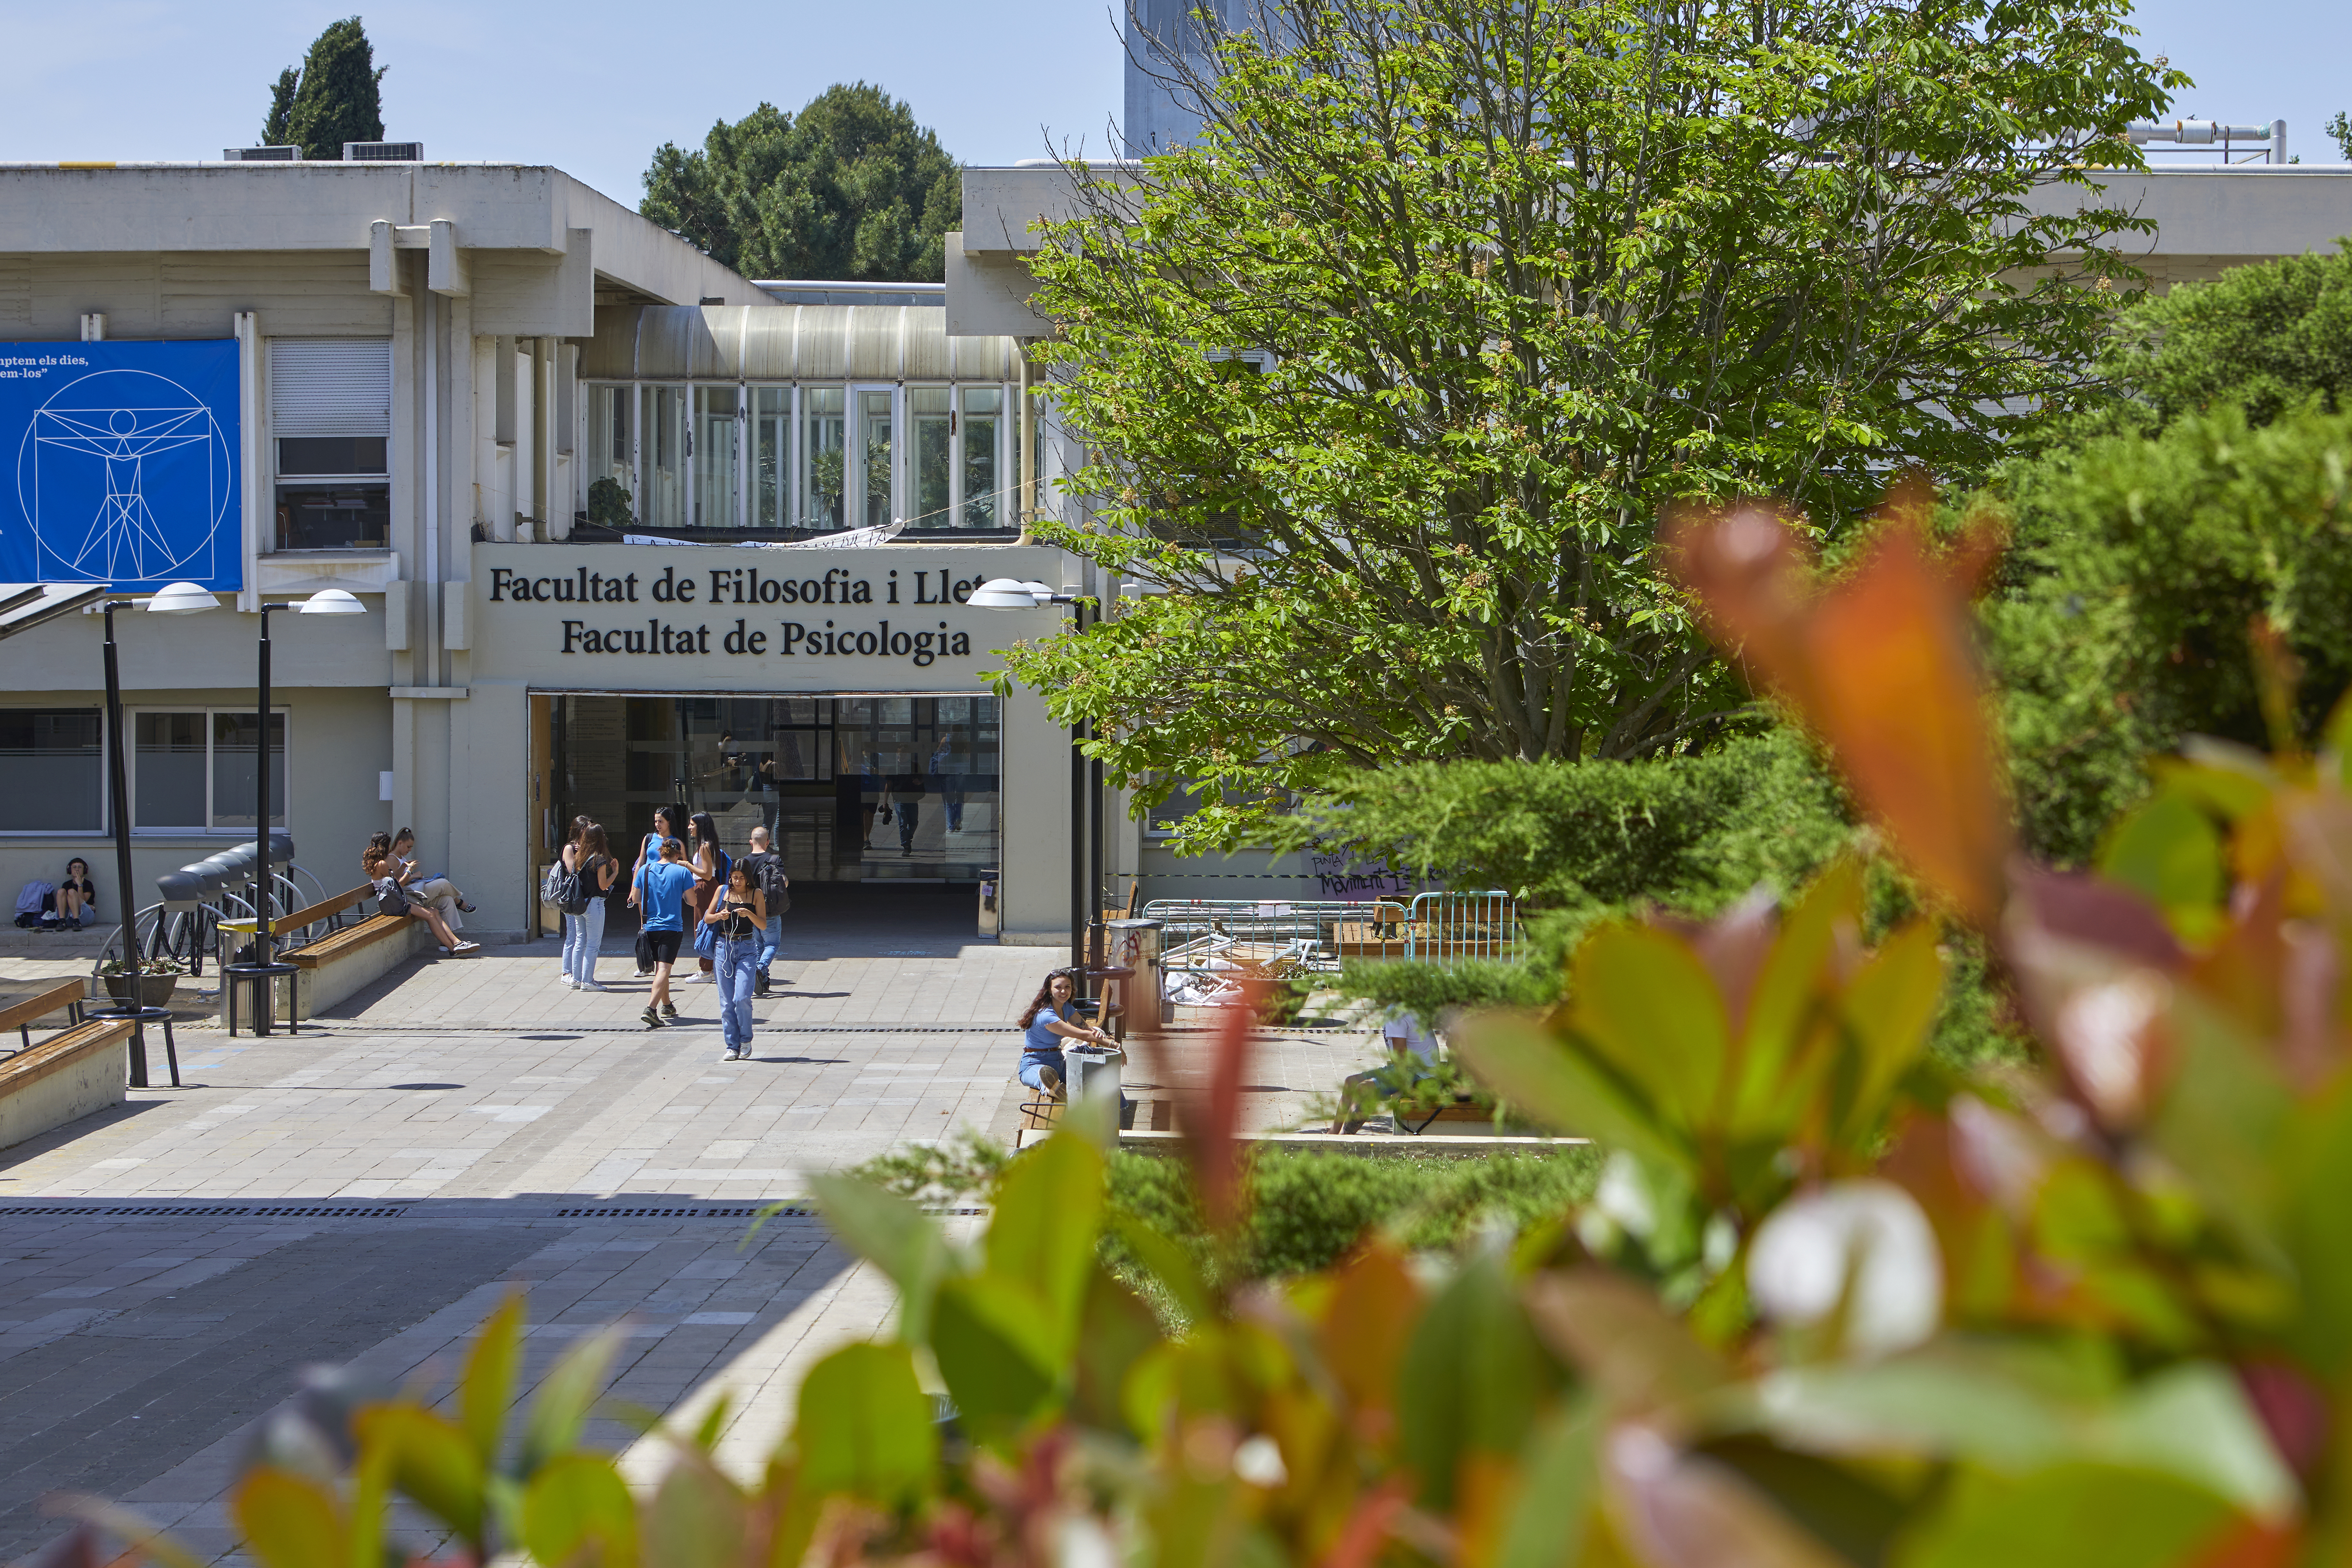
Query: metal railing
[1210,946]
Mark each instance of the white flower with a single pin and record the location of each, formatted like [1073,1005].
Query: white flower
[1258,1461]
[1870,1233]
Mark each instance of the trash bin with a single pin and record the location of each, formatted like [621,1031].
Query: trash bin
[1134,994]
[1094,1069]
[988,910]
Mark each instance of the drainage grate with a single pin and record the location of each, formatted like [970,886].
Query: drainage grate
[214,1211]
[737,1211]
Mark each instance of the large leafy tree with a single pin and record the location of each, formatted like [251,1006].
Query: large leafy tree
[334,98]
[1391,377]
[851,187]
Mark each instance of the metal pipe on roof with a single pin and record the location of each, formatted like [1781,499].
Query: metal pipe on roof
[2206,132]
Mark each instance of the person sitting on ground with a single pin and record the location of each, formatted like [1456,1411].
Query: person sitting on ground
[1045,1023]
[431,887]
[767,870]
[661,893]
[383,874]
[75,894]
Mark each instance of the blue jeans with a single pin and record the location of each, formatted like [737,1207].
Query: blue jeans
[583,933]
[770,940]
[1034,1063]
[737,959]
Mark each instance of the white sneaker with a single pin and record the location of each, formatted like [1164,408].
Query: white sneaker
[570,984]
[588,985]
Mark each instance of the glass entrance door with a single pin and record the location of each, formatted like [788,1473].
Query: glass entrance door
[852,789]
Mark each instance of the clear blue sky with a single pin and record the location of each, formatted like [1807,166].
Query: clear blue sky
[593,86]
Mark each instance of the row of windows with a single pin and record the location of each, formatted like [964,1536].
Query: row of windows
[191,770]
[812,457]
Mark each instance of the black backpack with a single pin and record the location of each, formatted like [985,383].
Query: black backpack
[768,870]
[564,888]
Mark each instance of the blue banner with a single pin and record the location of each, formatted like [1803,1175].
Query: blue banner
[123,458]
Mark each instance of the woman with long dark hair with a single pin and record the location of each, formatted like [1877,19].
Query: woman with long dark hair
[710,864]
[1045,1023]
[588,857]
[669,822]
[736,919]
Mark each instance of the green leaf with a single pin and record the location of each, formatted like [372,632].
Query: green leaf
[697,1518]
[2169,850]
[865,1426]
[1166,1262]
[560,1409]
[486,1387]
[1785,997]
[893,1235]
[2064,1517]
[1649,1008]
[1049,1205]
[1116,1329]
[1546,1522]
[578,1510]
[1556,1086]
[433,1463]
[1471,1379]
[995,1350]
[2318,1230]
[1889,1007]
[288,1521]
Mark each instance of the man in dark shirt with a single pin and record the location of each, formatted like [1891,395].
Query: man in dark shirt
[767,870]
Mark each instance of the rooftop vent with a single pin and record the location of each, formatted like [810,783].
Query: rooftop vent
[384,152]
[261,155]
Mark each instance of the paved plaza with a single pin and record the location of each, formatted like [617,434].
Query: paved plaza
[365,1190]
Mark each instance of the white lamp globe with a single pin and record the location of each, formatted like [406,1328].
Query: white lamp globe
[1038,590]
[1003,594]
[332,602]
[181,599]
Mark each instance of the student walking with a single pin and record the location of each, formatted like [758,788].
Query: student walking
[736,919]
[767,870]
[710,864]
[660,891]
[587,858]
[669,822]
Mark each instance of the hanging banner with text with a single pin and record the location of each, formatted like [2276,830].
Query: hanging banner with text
[123,458]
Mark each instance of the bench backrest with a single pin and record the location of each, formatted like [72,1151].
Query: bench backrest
[313,913]
[16,1015]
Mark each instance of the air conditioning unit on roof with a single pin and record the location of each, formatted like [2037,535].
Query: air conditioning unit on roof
[261,155]
[384,152]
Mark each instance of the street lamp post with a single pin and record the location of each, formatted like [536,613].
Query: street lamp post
[261,970]
[1006,594]
[177,599]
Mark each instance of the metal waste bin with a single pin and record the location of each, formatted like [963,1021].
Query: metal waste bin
[1136,994]
[1094,1069]
[988,901]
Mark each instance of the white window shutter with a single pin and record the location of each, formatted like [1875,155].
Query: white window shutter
[331,386]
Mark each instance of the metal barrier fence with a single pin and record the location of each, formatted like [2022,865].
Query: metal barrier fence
[1210,945]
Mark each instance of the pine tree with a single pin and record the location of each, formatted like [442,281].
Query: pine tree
[281,106]
[333,99]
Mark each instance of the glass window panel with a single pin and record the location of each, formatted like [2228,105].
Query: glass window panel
[335,454]
[771,410]
[167,774]
[717,444]
[664,456]
[50,770]
[983,417]
[233,776]
[611,456]
[334,517]
[824,453]
[874,433]
[931,411]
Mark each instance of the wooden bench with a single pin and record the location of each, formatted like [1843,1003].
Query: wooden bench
[82,1069]
[343,962]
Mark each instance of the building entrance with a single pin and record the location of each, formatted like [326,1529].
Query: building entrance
[872,790]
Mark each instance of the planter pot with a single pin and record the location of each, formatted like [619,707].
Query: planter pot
[154,990]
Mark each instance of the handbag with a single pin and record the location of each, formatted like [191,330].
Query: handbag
[391,900]
[706,940]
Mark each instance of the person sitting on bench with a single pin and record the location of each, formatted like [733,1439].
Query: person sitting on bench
[383,874]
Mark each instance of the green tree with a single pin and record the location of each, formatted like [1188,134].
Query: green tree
[2340,130]
[2126,626]
[851,187]
[2268,336]
[1389,378]
[335,96]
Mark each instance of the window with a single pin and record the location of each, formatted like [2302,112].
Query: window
[612,454]
[983,485]
[717,443]
[931,411]
[824,453]
[874,428]
[52,766]
[191,772]
[664,505]
[772,421]
[330,415]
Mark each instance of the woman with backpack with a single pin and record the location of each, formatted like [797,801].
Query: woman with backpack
[589,871]
[711,864]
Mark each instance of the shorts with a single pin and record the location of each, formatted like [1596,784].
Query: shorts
[662,945]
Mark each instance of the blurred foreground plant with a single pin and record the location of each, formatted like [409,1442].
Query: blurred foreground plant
[1831,1305]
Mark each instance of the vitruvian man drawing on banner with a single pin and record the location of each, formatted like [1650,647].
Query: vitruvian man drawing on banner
[125,476]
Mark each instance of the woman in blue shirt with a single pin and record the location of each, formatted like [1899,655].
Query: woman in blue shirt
[1045,1023]
[661,892]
